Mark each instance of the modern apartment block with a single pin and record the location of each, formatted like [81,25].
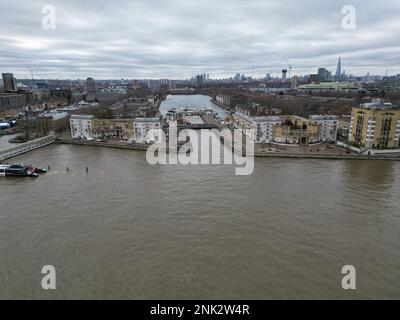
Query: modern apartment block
[295,130]
[141,130]
[329,126]
[265,128]
[91,89]
[9,82]
[147,130]
[375,125]
[82,126]
[289,129]
[121,129]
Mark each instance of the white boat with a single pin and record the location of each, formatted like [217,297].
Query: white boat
[3,168]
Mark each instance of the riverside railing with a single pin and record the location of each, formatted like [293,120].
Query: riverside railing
[10,152]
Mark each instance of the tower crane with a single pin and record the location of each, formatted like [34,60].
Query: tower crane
[290,67]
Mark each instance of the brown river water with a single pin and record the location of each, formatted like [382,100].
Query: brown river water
[134,231]
[131,230]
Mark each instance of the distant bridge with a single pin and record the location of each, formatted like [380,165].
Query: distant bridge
[11,152]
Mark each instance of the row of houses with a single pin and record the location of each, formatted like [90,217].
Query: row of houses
[289,129]
[139,130]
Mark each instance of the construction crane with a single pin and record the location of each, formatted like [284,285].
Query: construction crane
[290,67]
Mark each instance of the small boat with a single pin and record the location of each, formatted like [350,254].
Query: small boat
[37,170]
[41,170]
[17,170]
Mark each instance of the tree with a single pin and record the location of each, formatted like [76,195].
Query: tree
[106,113]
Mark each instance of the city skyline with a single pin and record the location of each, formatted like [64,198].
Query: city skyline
[177,40]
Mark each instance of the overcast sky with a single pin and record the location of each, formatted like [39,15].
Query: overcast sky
[179,38]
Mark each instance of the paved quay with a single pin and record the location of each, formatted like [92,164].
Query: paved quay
[114,144]
[316,153]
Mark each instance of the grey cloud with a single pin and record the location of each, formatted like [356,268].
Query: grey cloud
[178,38]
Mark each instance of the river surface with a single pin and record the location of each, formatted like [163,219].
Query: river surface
[134,231]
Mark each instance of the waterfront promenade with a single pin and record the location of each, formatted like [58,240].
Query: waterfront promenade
[18,149]
[311,152]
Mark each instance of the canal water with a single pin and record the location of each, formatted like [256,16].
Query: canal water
[192,102]
[131,230]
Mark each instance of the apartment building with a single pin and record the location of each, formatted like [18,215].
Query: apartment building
[265,128]
[82,126]
[147,130]
[329,126]
[294,130]
[121,129]
[375,125]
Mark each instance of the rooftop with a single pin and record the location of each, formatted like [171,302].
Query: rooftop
[323,117]
[82,116]
[378,104]
[267,119]
[330,85]
[55,115]
[147,120]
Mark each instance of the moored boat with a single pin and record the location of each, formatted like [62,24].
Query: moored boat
[37,170]
[17,170]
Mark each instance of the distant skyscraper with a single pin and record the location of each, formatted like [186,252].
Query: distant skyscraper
[10,83]
[284,73]
[136,84]
[237,77]
[153,85]
[295,82]
[323,74]
[199,81]
[91,89]
[338,75]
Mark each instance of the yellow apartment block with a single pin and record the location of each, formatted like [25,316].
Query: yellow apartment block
[375,125]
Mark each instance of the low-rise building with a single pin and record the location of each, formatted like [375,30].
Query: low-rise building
[12,100]
[329,87]
[225,100]
[51,122]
